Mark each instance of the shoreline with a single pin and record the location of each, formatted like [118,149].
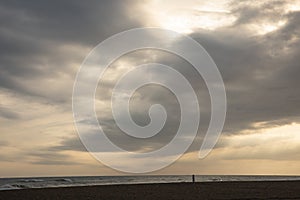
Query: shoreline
[185,190]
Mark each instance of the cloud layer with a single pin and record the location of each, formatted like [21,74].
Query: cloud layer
[42,45]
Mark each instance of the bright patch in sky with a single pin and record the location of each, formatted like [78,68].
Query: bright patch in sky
[186,19]
[265,28]
[275,136]
[188,16]
[294,6]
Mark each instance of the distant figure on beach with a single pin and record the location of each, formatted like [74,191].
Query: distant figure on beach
[193,177]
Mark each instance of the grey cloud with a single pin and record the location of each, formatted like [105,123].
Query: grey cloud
[253,12]
[149,95]
[260,78]
[8,114]
[43,157]
[83,22]
[34,33]
[260,74]
[72,144]
[3,143]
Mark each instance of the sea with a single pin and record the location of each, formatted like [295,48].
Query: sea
[71,181]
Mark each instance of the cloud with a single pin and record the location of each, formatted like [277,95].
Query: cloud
[277,143]
[8,114]
[259,74]
[45,44]
[81,22]
[68,144]
[250,66]
[42,44]
[50,158]
[3,143]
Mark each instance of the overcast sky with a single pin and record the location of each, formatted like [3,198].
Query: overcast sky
[255,44]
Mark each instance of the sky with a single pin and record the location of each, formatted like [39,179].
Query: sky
[255,44]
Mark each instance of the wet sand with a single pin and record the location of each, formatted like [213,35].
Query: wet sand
[206,190]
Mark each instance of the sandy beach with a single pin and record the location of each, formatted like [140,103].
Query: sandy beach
[205,190]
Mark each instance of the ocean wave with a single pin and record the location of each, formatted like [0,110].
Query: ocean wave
[216,179]
[32,180]
[13,187]
[64,180]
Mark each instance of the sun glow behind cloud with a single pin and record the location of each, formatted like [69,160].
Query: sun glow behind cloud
[186,19]
[293,6]
[193,15]
[275,136]
[268,27]
[273,15]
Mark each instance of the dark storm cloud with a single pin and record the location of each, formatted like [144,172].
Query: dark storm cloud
[33,34]
[149,95]
[86,22]
[260,74]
